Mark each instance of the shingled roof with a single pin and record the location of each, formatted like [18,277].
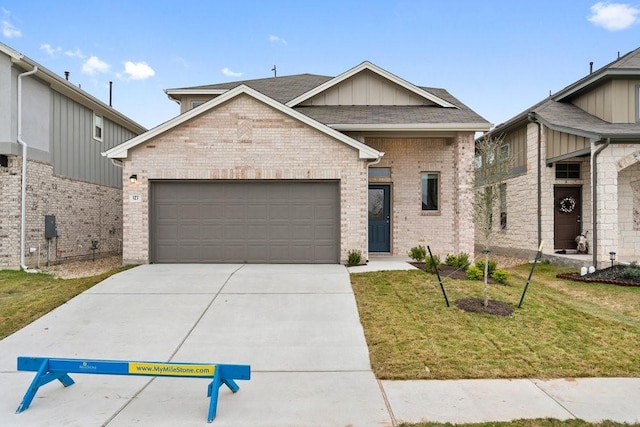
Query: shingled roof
[287,88]
[558,113]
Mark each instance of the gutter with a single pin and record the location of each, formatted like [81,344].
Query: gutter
[534,119]
[23,143]
[594,197]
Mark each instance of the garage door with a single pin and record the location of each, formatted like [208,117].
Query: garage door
[245,221]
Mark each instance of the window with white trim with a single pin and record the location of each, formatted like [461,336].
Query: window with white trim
[97,127]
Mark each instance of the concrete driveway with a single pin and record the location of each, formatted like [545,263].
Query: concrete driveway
[296,325]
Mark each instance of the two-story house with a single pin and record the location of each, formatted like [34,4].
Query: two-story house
[60,198]
[302,168]
[576,168]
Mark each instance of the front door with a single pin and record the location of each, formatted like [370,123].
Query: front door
[567,217]
[379,218]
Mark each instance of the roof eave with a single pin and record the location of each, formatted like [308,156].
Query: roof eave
[121,151]
[402,127]
[594,78]
[70,90]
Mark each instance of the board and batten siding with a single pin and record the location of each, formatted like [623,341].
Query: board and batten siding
[614,101]
[367,88]
[75,153]
[560,143]
[517,140]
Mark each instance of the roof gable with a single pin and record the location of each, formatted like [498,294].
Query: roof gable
[331,86]
[121,151]
[627,65]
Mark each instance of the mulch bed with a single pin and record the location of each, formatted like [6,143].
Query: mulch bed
[447,271]
[476,305]
[610,276]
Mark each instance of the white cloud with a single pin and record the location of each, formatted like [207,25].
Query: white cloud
[8,29]
[95,65]
[229,73]
[138,70]
[50,49]
[276,39]
[75,53]
[613,16]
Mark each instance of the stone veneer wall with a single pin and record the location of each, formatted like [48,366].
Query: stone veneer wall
[450,230]
[521,235]
[244,139]
[84,212]
[623,172]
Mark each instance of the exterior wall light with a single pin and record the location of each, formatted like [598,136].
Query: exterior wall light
[133,178]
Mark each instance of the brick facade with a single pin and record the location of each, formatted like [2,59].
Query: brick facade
[84,212]
[618,205]
[244,139]
[450,229]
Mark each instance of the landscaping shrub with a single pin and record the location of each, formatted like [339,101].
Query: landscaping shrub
[474,273]
[500,276]
[631,273]
[418,253]
[493,264]
[431,264]
[461,260]
[354,257]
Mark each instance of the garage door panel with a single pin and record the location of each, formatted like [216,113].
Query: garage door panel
[245,221]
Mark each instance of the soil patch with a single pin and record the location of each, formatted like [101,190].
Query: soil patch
[476,305]
[612,275]
[84,268]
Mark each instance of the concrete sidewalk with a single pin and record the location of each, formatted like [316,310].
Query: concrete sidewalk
[298,328]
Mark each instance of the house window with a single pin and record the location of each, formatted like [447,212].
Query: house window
[477,162]
[4,161]
[97,127]
[195,104]
[567,170]
[503,153]
[430,189]
[503,206]
[379,172]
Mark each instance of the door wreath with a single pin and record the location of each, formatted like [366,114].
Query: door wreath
[567,205]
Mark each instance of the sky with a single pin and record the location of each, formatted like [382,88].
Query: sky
[498,57]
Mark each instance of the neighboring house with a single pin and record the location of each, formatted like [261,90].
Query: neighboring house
[68,185]
[576,168]
[301,169]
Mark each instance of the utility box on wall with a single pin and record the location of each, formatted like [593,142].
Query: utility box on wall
[50,227]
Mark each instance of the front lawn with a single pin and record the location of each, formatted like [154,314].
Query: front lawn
[24,297]
[564,328]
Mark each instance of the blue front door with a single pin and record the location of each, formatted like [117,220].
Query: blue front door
[379,218]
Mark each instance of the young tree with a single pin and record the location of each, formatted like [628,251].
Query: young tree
[494,162]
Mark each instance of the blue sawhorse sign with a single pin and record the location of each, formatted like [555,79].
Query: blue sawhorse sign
[50,369]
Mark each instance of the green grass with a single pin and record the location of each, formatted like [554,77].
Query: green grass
[24,297]
[540,422]
[564,328]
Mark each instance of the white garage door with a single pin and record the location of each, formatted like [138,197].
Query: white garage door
[245,221]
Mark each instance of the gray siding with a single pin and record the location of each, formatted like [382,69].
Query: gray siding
[76,154]
[6,98]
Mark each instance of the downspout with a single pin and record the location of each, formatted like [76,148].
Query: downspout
[594,199]
[23,208]
[532,117]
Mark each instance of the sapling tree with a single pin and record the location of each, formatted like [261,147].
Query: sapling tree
[494,162]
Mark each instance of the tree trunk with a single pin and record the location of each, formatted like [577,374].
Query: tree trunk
[486,279]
